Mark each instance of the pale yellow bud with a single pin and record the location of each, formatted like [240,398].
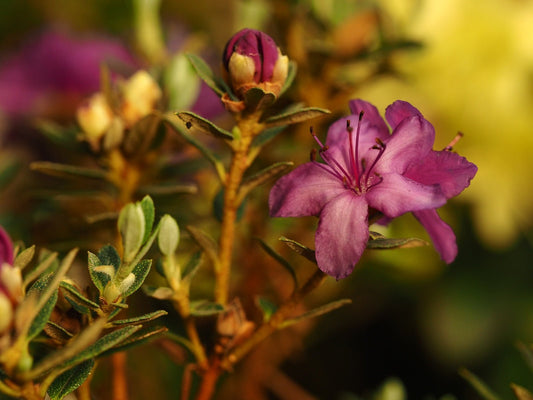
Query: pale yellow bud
[6,313]
[94,117]
[11,280]
[139,97]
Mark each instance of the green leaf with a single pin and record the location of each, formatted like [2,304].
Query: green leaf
[316,312]
[207,243]
[166,189]
[99,279]
[141,336]
[70,380]
[142,318]
[108,255]
[267,135]
[527,354]
[63,136]
[56,331]
[267,307]
[173,121]
[140,271]
[193,120]
[9,168]
[148,209]
[103,344]
[284,263]
[67,171]
[204,308]
[481,388]
[206,74]
[290,77]
[296,116]
[71,292]
[256,98]
[44,313]
[262,176]
[521,393]
[300,249]
[160,293]
[192,266]
[403,243]
[24,257]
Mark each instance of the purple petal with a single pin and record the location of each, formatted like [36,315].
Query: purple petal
[412,140]
[450,171]
[398,111]
[304,191]
[6,248]
[441,234]
[396,195]
[371,115]
[257,45]
[342,234]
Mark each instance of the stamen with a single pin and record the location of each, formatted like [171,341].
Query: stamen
[381,147]
[453,142]
[376,183]
[353,166]
[356,159]
[312,155]
[311,130]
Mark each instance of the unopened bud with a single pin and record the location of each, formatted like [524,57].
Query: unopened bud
[252,59]
[11,282]
[139,97]
[6,313]
[95,117]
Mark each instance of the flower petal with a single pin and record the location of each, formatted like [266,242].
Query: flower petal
[342,234]
[371,115]
[398,111]
[411,140]
[395,195]
[6,248]
[304,191]
[440,232]
[450,171]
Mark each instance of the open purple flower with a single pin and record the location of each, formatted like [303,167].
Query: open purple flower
[368,172]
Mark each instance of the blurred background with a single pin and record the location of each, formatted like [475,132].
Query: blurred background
[414,321]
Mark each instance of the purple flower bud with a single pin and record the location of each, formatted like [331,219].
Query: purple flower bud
[252,59]
[6,248]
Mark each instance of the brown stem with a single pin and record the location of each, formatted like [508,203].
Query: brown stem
[120,383]
[208,385]
[275,321]
[249,128]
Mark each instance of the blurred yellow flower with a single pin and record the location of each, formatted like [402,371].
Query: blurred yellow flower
[474,74]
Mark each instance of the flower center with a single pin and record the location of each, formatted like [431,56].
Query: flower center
[357,175]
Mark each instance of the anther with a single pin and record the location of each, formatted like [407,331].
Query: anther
[312,156]
[361,115]
[453,142]
[349,126]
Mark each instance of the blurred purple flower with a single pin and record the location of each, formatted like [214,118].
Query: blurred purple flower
[54,64]
[368,172]
[6,248]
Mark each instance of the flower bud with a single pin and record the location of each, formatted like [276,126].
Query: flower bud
[6,313]
[252,59]
[140,95]
[95,117]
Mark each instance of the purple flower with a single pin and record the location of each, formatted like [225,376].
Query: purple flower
[6,248]
[369,172]
[54,64]
[252,59]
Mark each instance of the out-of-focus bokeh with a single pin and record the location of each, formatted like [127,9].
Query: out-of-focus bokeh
[467,65]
